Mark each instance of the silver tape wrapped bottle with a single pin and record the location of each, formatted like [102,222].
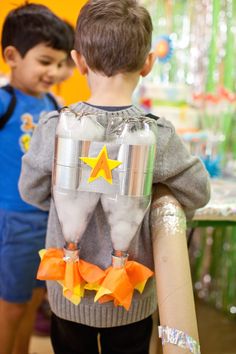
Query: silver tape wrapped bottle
[125,209]
[74,136]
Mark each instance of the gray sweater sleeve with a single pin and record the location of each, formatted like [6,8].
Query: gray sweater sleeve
[36,170]
[184,174]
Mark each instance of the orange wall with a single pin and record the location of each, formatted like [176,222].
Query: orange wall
[75,88]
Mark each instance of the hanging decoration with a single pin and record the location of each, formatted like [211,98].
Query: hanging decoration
[163,48]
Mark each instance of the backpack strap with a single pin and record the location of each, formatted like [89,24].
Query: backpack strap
[150,115]
[53,101]
[11,107]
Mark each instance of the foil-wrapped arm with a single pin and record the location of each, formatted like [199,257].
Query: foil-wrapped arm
[183,173]
[35,178]
[172,270]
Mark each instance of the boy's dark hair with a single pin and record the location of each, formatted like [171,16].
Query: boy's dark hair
[71,29]
[33,24]
[113,35]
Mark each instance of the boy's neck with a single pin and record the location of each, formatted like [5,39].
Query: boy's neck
[112,91]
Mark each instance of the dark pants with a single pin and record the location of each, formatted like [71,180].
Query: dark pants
[73,338]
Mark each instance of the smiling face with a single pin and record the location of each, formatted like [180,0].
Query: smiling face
[38,70]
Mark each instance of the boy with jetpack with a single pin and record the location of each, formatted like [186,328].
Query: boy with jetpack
[100,159]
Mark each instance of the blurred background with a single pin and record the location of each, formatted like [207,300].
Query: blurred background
[194,85]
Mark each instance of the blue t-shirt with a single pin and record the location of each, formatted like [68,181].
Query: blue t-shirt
[14,142]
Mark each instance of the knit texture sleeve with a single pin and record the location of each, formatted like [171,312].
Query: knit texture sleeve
[183,173]
[36,170]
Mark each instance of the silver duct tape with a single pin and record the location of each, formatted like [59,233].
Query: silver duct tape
[70,172]
[179,338]
[137,158]
[68,151]
[132,178]
[127,184]
[71,252]
[75,179]
[65,177]
[135,184]
[119,259]
[136,170]
[168,218]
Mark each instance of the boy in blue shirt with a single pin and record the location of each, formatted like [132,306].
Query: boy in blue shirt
[35,45]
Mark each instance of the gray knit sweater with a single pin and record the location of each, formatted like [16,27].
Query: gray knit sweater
[182,173]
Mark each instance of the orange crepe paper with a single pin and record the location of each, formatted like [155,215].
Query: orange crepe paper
[73,276]
[52,265]
[120,283]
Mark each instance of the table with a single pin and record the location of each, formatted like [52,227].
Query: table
[213,247]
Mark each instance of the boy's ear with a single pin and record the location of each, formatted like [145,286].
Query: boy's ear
[11,56]
[148,64]
[80,62]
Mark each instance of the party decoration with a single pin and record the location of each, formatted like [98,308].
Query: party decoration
[164,48]
[122,278]
[101,166]
[71,273]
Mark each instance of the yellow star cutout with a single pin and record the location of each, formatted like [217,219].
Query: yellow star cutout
[101,166]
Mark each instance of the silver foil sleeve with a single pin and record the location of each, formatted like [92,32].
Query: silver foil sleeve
[167,215]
